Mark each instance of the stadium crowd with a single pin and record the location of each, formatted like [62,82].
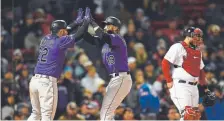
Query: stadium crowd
[149,27]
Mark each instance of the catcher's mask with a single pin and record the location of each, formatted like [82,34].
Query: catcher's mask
[196,34]
[112,24]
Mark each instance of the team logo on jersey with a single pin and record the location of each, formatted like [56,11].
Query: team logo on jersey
[110,59]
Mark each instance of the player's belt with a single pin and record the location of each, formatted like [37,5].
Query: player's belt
[117,74]
[191,83]
[41,76]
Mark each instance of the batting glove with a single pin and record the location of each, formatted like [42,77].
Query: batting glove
[79,18]
[78,21]
[87,14]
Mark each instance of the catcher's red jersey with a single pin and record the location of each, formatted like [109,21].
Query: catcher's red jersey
[192,60]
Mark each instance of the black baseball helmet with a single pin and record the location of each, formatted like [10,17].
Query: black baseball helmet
[111,20]
[192,31]
[57,25]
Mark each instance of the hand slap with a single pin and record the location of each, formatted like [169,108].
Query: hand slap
[79,18]
[87,13]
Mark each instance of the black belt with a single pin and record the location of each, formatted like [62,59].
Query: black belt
[176,66]
[117,74]
[191,83]
[41,76]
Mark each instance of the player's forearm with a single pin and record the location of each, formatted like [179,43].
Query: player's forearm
[100,33]
[202,81]
[166,70]
[89,38]
[72,26]
[81,31]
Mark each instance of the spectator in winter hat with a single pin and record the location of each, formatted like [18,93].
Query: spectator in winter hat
[71,113]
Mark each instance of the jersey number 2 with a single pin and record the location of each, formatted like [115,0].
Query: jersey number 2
[43,53]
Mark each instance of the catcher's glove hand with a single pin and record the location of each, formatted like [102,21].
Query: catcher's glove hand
[209,99]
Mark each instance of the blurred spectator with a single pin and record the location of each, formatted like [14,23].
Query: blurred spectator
[210,78]
[62,98]
[93,111]
[4,66]
[23,80]
[83,108]
[6,40]
[17,36]
[111,7]
[214,37]
[74,87]
[71,113]
[141,55]
[125,16]
[43,20]
[214,14]
[8,110]
[119,112]
[24,112]
[139,18]
[159,40]
[132,97]
[132,65]
[173,114]
[131,51]
[130,35]
[92,81]
[150,73]
[32,32]
[143,38]
[173,10]
[149,102]
[201,23]
[98,96]
[158,56]
[172,32]
[79,70]
[128,114]
[17,116]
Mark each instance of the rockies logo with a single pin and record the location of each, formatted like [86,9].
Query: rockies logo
[111,60]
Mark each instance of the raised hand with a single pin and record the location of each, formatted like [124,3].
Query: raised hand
[87,14]
[79,18]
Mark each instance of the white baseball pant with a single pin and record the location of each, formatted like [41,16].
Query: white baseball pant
[184,94]
[44,97]
[117,89]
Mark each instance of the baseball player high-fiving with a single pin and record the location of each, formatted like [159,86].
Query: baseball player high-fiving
[186,74]
[114,55]
[43,85]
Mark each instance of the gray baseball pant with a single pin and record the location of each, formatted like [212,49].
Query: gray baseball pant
[44,97]
[117,89]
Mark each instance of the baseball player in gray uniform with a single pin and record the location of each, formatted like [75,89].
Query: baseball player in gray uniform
[43,85]
[114,56]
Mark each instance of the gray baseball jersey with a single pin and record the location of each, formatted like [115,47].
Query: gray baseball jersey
[52,54]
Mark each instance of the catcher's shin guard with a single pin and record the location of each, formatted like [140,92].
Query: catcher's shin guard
[191,113]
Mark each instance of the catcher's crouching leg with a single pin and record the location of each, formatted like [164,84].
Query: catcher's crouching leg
[191,113]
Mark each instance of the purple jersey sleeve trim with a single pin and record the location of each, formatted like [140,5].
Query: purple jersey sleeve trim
[115,40]
[66,42]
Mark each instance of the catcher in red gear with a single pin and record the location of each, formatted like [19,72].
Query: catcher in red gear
[187,73]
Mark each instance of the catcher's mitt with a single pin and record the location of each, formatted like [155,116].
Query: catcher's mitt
[209,99]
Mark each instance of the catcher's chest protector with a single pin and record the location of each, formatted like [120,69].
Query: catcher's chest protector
[192,60]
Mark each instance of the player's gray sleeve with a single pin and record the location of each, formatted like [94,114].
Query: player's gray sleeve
[93,40]
[81,30]
[68,41]
[100,33]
